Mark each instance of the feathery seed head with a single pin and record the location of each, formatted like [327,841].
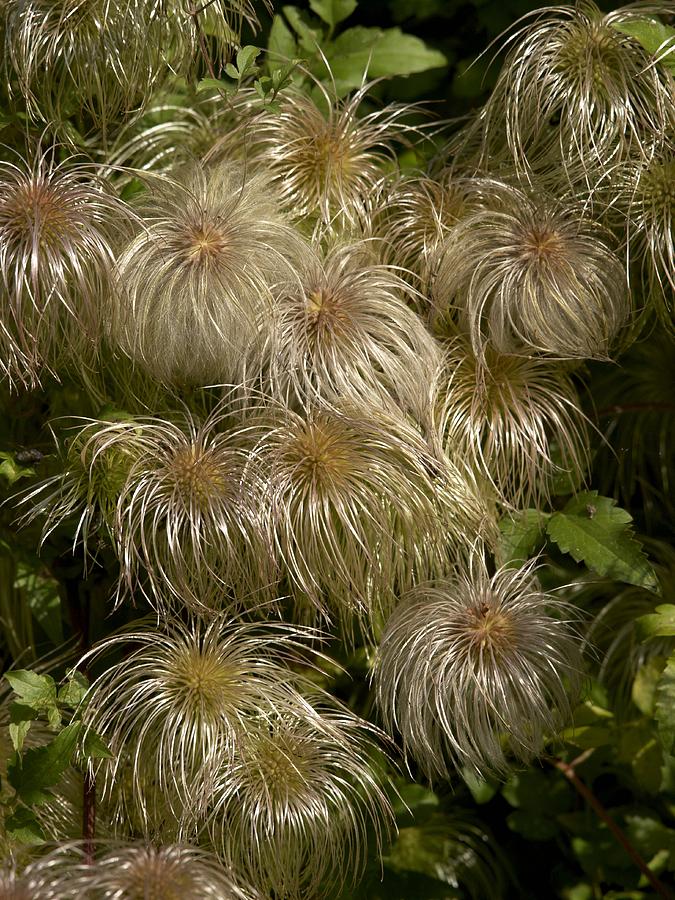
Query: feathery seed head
[578,92]
[94,467]
[193,280]
[295,811]
[56,261]
[326,160]
[525,274]
[101,56]
[517,421]
[467,662]
[343,329]
[361,509]
[143,872]
[189,516]
[176,708]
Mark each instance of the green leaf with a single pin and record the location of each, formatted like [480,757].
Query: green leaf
[660,623]
[42,767]
[309,38]
[643,692]
[38,691]
[593,530]
[281,43]
[11,470]
[73,691]
[94,747]
[481,791]
[371,52]
[215,84]
[657,39]
[333,11]
[664,707]
[520,535]
[20,719]
[246,58]
[531,826]
[22,826]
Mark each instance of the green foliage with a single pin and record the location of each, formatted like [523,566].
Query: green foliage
[657,38]
[593,530]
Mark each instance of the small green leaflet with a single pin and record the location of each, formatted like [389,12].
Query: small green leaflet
[94,747]
[520,535]
[664,708]
[596,532]
[657,39]
[20,718]
[38,691]
[42,767]
[333,11]
[660,623]
[11,470]
[23,827]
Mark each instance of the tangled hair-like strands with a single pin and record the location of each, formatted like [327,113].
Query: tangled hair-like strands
[326,160]
[526,273]
[103,56]
[95,464]
[188,515]
[361,509]
[517,421]
[175,709]
[468,661]
[576,92]
[298,807]
[343,329]
[137,871]
[643,188]
[56,261]
[193,280]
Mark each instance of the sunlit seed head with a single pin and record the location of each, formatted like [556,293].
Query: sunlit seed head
[361,508]
[144,872]
[57,262]
[517,420]
[576,92]
[343,328]
[325,158]
[188,515]
[175,709]
[199,272]
[300,804]
[527,273]
[477,671]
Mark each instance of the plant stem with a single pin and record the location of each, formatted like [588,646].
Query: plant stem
[89,816]
[619,835]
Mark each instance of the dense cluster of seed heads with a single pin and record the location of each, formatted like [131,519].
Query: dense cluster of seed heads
[390,359]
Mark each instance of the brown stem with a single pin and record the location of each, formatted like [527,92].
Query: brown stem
[194,12]
[584,791]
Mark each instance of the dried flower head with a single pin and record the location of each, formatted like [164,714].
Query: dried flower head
[174,710]
[56,261]
[94,465]
[188,514]
[325,159]
[298,807]
[343,329]
[361,509]
[644,190]
[469,662]
[419,214]
[526,273]
[517,420]
[102,57]
[577,91]
[194,278]
[145,872]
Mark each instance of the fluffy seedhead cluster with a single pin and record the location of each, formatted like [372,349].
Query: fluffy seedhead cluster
[310,381]
[475,668]
[527,274]
[56,260]
[518,420]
